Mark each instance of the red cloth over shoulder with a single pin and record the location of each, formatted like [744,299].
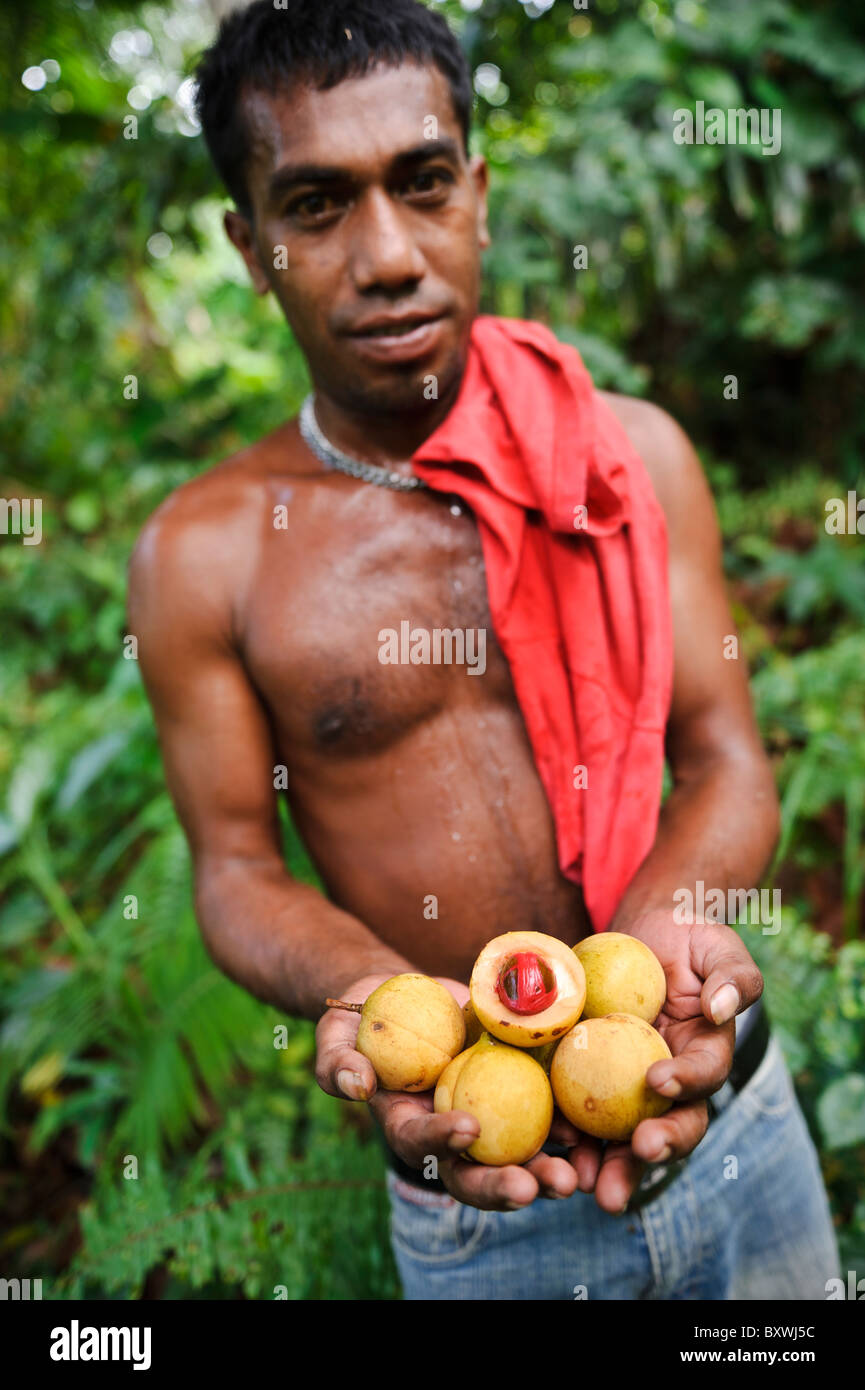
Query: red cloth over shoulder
[575,548]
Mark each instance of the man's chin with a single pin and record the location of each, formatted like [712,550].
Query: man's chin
[411,392]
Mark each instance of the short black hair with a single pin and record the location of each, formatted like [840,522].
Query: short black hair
[265,48]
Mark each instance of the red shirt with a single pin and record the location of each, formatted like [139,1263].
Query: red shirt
[575,548]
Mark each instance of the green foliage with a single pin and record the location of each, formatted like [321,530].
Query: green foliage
[119,1038]
[813,713]
[703,260]
[816,1000]
[247,1215]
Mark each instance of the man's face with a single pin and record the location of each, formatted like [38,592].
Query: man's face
[382,220]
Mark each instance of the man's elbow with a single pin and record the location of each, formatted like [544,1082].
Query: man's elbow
[754,777]
[212,907]
[224,888]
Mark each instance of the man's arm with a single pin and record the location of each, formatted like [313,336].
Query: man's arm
[279,939]
[720,824]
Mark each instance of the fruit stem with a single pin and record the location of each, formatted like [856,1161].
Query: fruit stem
[344,1004]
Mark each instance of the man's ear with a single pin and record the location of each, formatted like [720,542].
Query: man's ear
[238,229]
[480,174]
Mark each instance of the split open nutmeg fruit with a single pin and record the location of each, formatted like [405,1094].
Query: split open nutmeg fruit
[527,988]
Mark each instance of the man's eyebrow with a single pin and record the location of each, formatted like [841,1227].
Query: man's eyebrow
[289,175]
[428,149]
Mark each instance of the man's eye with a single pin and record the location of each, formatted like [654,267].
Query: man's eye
[313,207]
[428,182]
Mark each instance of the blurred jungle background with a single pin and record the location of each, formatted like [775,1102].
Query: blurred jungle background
[135,356]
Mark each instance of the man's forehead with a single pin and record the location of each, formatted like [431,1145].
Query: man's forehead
[363,121]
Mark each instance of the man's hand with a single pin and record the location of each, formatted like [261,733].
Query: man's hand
[710,978]
[416,1134]
[340,1069]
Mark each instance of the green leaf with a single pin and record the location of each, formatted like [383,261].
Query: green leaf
[29,780]
[841,1110]
[88,764]
[9,833]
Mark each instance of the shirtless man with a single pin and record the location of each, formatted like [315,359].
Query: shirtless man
[258,647]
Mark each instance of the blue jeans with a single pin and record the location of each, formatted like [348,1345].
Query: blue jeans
[746,1218]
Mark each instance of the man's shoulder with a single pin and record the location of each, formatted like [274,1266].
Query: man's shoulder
[200,544]
[667,453]
[209,517]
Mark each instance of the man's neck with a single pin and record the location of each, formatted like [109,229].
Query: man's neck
[378,438]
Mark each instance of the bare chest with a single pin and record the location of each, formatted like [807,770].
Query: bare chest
[368,615]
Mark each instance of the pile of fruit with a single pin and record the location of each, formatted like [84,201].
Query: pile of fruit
[545,1025]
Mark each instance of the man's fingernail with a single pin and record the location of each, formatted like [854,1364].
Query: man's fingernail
[663,1154]
[724,1003]
[671,1087]
[349,1082]
[513,1206]
[460,1138]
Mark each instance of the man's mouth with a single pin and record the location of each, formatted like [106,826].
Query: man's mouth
[394,327]
[398,339]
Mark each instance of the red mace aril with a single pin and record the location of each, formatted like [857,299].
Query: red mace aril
[527,988]
[526,984]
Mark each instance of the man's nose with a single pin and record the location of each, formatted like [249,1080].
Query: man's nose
[384,252]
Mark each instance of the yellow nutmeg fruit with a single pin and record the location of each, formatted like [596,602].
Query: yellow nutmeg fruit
[507,1091]
[623,976]
[410,1028]
[598,1075]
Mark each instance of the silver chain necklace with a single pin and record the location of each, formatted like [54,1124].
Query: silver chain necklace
[332,457]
